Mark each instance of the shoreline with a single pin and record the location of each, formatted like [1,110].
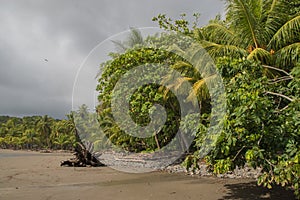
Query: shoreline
[127,163]
[40,176]
[117,161]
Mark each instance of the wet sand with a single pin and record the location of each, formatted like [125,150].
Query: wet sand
[33,175]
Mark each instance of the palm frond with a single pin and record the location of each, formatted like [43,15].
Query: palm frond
[261,55]
[219,33]
[199,34]
[288,56]
[218,50]
[182,66]
[134,38]
[277,14]
[200,89]
[179,82]
[243,16]
[165,92]
[286,35]
[120,47]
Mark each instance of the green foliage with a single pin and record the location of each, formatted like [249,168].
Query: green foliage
[259,129]
[88,127]
[180,25]
[141,102]
[36,132]
[191,162]
[294,7]
[256,48]
[265,31]
[133,40]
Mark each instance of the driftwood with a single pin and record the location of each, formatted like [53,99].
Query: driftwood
[83,157]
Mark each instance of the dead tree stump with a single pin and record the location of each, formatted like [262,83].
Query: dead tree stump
[84,156]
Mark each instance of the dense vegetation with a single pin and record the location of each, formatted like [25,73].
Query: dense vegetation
[44,132]
[256,50]
[36,132]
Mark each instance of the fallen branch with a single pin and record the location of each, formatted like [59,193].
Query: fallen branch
[83,157]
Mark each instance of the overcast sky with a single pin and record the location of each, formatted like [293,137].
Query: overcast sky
[43,43]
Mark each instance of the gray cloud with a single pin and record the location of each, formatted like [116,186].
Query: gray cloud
[64,32]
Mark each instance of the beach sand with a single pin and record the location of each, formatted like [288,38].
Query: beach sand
[33,175]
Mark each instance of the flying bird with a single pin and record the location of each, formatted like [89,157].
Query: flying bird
[46,60]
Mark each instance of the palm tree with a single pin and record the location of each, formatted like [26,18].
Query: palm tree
[181,84]
[263,30]
[63,140]
[30,138]
[2,142]
[4,129]
[43,127]
[134,39]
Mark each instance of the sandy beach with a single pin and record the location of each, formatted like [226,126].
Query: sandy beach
[33,175]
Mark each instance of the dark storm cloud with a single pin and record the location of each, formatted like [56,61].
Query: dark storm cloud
[42,44]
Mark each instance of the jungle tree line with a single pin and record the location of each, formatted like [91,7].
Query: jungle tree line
[36,132]
[42,132]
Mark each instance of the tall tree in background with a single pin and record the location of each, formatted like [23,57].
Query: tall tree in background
[133,39]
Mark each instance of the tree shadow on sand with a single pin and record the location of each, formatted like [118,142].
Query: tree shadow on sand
[250,191]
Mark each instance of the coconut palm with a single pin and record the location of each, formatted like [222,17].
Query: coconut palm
[43,127]
[133,39]
[2,142]
[30,138]
[263,30]
[181,84]
[63,140]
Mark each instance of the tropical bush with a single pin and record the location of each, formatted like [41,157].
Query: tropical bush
[261,127]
